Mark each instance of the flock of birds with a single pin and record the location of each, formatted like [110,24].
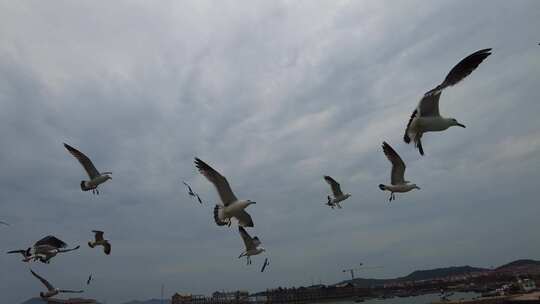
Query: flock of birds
[425,118]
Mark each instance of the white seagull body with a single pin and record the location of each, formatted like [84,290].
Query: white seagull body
[339,196]
[251,243]
[100,241]
[232,207]
[51,290]
[96,178]
[426,117]
[397,178]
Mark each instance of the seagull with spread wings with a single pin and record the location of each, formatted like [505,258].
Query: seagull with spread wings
[99,241]
[232,207]
[397,179]
[426,117]
[251,243]
[44,250]
[51,290]
[339,196]
[96,178]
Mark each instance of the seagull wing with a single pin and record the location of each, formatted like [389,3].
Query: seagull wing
[51,241]
[89,279]
[465,67]
[429,104]
[244,219]
[43,281]
[70,291]
[98,235]
[189,188]
[23,252]
[265,264]
[220,182]
[248,241]
[336,188]
[107,248]
[398,166]
[84,160]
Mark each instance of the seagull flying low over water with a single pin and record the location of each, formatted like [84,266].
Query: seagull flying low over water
[232,207]
[251,243]
[96,178]
[336,190]
[51,291]
[44,250]
[191,193]
[426,117]
[398,182]
[99,241]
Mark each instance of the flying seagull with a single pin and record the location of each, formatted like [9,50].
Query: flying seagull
[398,182]
[232,207]
[252,245]
[51,291]
[99,241]
[336,190]
[96,178]
[4,223]
[266,263]
[44,250]
[191,193]
[426,116]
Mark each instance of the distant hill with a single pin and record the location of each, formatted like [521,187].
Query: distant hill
[151,301]
[418,275]
[519,264]
[34,301]
[37,301]
[440,273]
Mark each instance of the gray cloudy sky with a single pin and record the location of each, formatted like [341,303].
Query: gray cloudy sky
[273,94]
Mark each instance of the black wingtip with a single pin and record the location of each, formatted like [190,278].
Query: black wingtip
[406,138]
[382,187]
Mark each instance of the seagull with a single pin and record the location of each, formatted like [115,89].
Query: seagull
[99,241]
[266,263]
[336,190]
[4,223]
[252,245]
[51,291]
[191,193]
[398,182]
[426,116]
[96,178]
[89,280]
[232,207]
[44,250]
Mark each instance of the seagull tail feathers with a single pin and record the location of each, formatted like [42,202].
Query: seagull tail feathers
[218,216]
[382,187]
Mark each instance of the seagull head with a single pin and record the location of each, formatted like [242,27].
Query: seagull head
[454,122]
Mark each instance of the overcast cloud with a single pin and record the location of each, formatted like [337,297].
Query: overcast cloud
[274,94]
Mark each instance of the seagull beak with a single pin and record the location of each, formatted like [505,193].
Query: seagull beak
[460,125]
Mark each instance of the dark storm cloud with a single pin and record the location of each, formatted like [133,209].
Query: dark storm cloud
[274,95]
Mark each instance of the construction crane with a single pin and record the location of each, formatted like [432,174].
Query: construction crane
[352,270]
